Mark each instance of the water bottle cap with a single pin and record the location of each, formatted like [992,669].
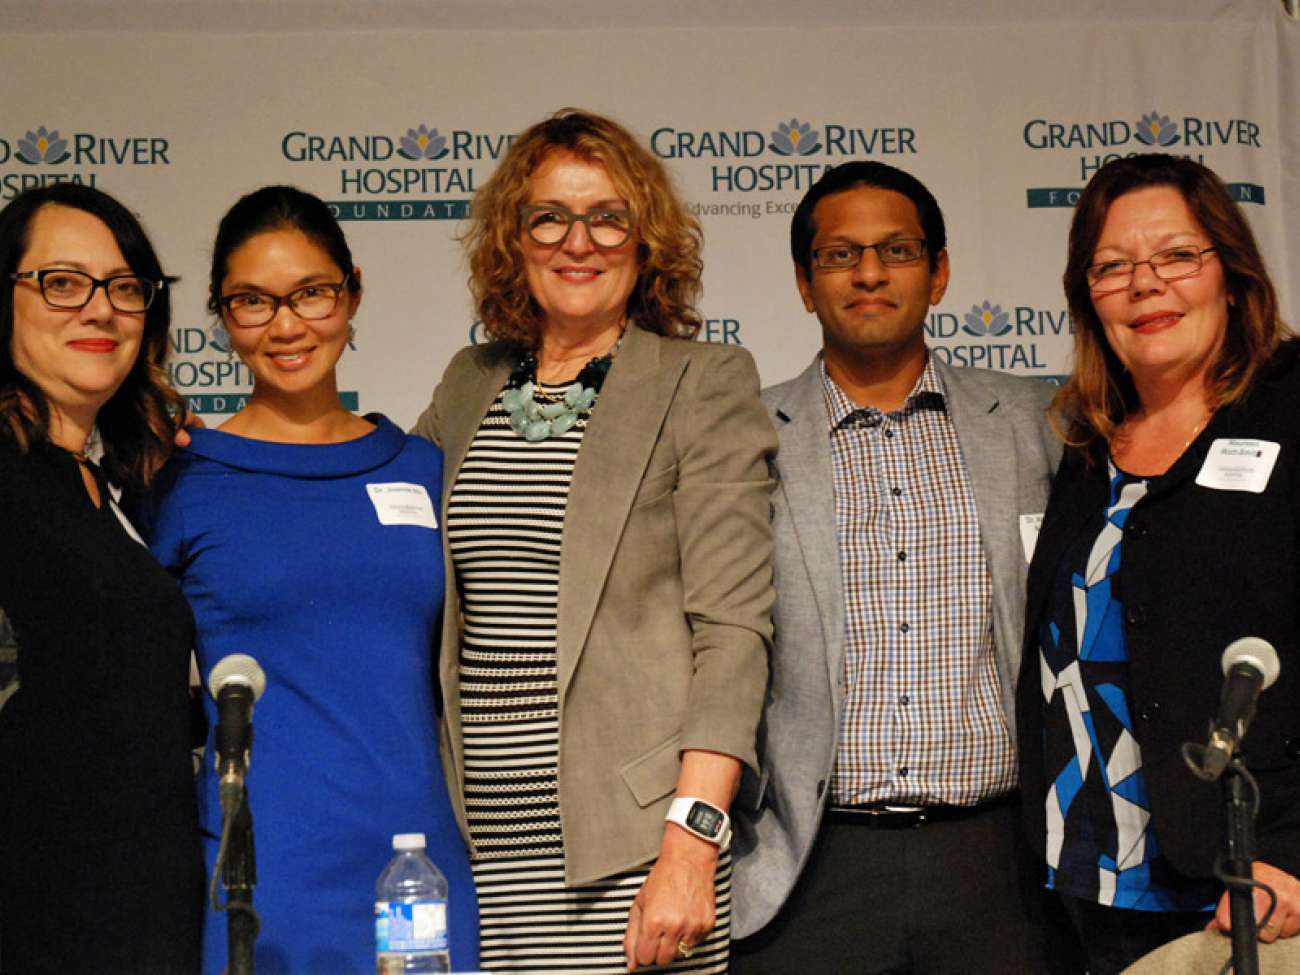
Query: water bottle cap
[408,841]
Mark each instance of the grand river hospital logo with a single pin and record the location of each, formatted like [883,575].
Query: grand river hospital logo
[42,146]
[422,143]
[986,319]
[795,138]
[219,338]
[1154,129]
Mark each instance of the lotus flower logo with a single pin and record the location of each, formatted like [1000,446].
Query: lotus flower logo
[423,143]
[42,146]
[1154,129]
[795,138]
[219,338]
[986,319]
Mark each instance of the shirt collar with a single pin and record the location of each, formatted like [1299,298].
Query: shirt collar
[927,393]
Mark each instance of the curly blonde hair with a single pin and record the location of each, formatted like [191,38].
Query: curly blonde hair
[669,239]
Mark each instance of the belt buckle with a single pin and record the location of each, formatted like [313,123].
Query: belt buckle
[899,815]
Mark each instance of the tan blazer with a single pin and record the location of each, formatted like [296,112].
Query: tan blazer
[665,584]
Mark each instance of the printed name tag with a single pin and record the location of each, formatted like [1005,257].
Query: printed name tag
[1239,465]
[1029,526]
[398,503]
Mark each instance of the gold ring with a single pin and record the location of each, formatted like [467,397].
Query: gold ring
[684,949]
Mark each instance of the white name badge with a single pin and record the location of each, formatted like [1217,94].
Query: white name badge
[1029,527]
[398,503]
[1239,465]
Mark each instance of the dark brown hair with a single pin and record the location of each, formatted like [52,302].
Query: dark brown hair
[138,423]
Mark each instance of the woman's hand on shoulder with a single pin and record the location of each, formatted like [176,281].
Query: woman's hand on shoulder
[182,438]
[1285,920]
[675,904]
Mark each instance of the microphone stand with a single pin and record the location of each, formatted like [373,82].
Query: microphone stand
[239,876]
[1239,805]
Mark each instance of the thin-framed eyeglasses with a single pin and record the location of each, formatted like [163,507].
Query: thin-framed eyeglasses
[311,302]
[549,224]
[1171,264]
[895,252]
[72,290]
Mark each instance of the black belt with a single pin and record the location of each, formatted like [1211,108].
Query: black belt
[899,815]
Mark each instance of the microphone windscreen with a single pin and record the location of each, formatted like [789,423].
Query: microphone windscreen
[1255,652]
[238,668]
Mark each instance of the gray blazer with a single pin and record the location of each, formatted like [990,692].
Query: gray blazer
[1010,453]
[665,584]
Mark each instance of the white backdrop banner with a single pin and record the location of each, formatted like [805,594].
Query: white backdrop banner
[1005,121]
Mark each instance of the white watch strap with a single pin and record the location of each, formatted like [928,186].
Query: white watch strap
[679,810]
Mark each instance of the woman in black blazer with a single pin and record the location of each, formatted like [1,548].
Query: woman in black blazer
[1172,530]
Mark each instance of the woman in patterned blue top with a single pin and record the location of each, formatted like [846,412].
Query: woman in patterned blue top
[1160,546]
[306,536]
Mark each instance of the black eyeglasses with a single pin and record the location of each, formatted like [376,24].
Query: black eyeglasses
[1171,264]
[893,253]
[250,309]
[72,290]
[550,224]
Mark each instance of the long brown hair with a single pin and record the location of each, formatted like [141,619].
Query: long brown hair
[669,238]
[1100,394]
[138,423]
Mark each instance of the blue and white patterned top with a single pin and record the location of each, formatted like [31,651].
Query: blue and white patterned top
[1101,843]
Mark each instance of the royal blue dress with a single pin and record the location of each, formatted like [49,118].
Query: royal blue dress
[324,562]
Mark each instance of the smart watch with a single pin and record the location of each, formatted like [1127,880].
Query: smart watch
[701,818]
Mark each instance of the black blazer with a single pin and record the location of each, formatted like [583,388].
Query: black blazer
[1201,567]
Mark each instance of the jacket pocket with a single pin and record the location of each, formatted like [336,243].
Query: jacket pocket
[653,775]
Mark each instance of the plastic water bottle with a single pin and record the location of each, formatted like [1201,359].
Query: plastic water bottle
[411,912]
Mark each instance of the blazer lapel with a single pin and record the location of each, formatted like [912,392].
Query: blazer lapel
[805,478]
[473,393]
[988,448]
[616,448]
[473,390]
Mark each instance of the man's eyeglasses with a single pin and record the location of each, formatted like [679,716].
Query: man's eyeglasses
[549,224]
[1171,264]
[311,302]
[72,290]
[893,253]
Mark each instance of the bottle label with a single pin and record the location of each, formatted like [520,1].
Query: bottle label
[411,926]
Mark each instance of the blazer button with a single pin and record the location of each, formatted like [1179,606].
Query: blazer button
[1136,615]
[1135,529]
[1292,748]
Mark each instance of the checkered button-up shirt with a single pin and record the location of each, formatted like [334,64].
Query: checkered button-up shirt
[922,720]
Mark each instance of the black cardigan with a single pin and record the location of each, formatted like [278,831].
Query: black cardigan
[1200,568]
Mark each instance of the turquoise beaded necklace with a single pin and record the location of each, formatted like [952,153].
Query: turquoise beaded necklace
[557,413]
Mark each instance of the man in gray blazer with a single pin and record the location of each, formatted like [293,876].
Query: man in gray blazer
[882,835]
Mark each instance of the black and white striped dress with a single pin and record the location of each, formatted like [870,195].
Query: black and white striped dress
[505,521]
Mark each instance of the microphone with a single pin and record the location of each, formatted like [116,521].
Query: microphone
[1250,666]
[235,683]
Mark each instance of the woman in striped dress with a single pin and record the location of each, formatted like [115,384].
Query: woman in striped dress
[606,513]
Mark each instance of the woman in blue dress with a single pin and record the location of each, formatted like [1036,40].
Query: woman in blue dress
[305,536]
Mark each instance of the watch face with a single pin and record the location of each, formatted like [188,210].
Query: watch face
[704,819]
